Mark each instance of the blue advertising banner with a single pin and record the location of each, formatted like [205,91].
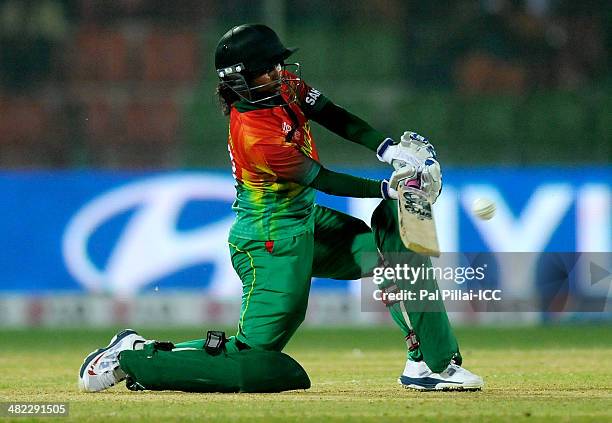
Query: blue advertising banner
[127,232]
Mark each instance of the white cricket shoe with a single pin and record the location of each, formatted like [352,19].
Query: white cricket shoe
[100,369]
[417,375]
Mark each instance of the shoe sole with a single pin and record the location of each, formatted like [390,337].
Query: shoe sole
[114,341]
[440,387]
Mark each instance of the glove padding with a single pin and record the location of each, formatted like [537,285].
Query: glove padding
[388,151]
[403,173]
[413,149]
[431,179]
[415,159]
[428,175]
[418,145]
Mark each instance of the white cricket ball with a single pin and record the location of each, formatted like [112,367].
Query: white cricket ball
[483,208]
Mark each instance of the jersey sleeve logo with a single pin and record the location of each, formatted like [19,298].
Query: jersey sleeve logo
[312,97]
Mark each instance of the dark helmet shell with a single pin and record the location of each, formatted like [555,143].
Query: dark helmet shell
[255,47]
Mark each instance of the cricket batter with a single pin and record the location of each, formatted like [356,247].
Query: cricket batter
[281,239]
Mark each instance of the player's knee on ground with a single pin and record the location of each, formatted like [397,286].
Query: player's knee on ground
[196,370]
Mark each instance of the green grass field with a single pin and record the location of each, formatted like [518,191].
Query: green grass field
[553,373]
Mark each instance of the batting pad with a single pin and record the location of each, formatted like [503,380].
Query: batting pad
[194,370]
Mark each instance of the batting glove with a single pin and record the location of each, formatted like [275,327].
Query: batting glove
[388,151]
[418,145]
[431,179]
[413,149]
[428,178]
[402,173]
[414,158]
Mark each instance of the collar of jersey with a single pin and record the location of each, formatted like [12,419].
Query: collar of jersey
[244,106]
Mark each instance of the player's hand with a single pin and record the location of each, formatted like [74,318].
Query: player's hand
[413,158]
[431,179]
[413,149]
[389,151]
[429,169]
[402,173]
[427,178]
[418,146]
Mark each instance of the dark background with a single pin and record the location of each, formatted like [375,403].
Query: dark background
[129,83]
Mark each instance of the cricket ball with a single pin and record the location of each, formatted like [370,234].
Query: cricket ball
[483,208]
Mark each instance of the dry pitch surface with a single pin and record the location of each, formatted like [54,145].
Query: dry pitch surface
[552,374]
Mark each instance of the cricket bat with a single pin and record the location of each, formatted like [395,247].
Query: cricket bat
[416,222]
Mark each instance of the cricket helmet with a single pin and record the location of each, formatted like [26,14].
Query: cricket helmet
[246,51]
[255,46]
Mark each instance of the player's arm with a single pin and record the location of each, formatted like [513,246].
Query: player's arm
[349,126]
[319,108]
[286,162]
[345,185]
[414,151]
[322,110]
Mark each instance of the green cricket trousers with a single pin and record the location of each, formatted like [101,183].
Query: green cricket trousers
[276,276]
[276,280]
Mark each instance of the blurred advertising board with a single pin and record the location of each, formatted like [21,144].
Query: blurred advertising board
[127,233]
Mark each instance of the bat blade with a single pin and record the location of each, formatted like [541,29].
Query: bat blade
[416,222]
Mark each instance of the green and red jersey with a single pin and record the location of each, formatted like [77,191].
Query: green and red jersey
[274,159]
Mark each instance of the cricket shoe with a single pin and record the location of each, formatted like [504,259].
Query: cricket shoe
[417,375]
[100,369]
